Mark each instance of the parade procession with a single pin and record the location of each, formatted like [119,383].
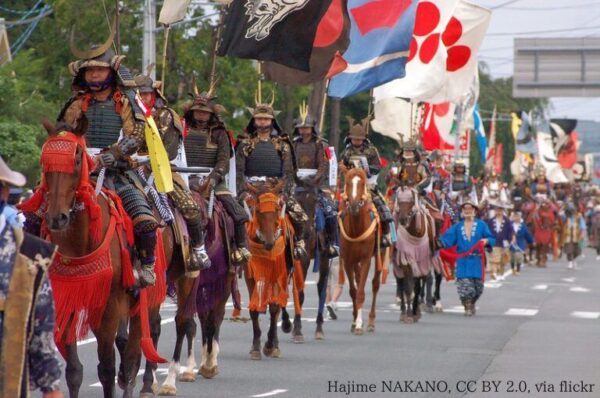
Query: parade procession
[170,171]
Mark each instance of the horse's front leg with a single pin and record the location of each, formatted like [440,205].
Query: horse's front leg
[349,268]
[105,337]
[256,333]
[271,348]
[169,385]
[74,370]
[322,291]
[363,275]
[375,284]
[150,383]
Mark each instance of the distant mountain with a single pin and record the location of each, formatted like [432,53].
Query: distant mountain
[589,134]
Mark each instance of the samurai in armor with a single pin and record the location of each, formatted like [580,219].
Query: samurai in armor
[267,152]
[104,102]
[208,144]
[541,185]
[460,185]
[170,129]
[494,190]
[413,172]
[310,150]
[359,147]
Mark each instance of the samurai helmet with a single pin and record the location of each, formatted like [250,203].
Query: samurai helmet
[203,101]
[358,130]
[305,120]
[145,84]
[459,163]
[540,171]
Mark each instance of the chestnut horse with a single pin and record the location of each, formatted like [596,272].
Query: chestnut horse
[316,249]
[267,272]
[359,232]
[93,253]
[413,255]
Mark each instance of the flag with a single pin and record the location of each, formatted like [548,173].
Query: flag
[547,156]
[480,133]
[332,38]
[426,66]
[173,11]
[394,118]
[437,127]
[281,31]
[567,155]
[462,38]
[380,34]
[492,141]
[498,158]
[524,138]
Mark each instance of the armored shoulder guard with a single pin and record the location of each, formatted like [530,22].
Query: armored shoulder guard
[61,115]
[137,111]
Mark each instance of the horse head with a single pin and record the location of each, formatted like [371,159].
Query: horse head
[66,165]
[355,190]
[406,205]
[268,211]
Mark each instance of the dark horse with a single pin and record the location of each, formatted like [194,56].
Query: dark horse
[94,267]
[208,299]
[266,274]
[413,256]
[317,251]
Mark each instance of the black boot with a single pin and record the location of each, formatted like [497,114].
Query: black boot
[241,254]
[199,259]
[331,226]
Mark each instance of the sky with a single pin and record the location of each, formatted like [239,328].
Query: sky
[514,18]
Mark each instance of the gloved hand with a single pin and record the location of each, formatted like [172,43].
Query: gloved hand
[106,159]
[505,244]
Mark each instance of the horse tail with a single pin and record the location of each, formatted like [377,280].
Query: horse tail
[147,344]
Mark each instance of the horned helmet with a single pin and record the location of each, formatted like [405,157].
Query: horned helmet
[202,101]
[263,110]
[305,120]
[358,130]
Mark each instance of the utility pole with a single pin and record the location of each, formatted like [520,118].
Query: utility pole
[149,47]
[5,55]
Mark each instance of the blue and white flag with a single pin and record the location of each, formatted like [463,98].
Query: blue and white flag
[480,133]
[380,35]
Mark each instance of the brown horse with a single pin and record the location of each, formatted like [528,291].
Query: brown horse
[359,231]
[413,257]
[316,249]
[208,299]
[267,272]
[91,274]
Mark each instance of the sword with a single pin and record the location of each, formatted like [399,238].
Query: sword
[247,209]
[100,180]
[211,202]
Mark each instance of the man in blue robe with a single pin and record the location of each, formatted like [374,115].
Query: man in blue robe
[465,235]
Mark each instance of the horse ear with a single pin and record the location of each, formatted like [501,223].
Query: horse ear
[48,126]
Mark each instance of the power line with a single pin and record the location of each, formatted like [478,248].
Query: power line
[572,6]
[503,4]
[542,31]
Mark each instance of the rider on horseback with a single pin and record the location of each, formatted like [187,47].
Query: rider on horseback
[310,152]
[413,172]
[359,150]
[170,128]
[267,153]
[104,102]
[208,144]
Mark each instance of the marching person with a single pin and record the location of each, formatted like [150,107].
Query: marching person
[573,233]
[28,359]
[521,238]
[502,229]
[359,147]
[469,236]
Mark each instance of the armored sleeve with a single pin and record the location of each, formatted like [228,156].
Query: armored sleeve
[322,164]
[373,160]
[240,166]
[345,157]
[288,167]
[219,136]
[133,130]
[170,129]
[425,177]
[72,112]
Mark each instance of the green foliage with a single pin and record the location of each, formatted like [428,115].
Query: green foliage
[20,146]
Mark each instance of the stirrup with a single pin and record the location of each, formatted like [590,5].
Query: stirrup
[300,249]
[147,276]
[241,255]
[199,259]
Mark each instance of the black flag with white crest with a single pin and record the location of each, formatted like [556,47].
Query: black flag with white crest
[281,31]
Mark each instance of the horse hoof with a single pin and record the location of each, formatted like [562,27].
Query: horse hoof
[146,395]
[298,338]
[358,331]
[255,355]
[167,391]
[371,328]
[187,377]
[429,309]
[286,326]
[319,336]
[276,353]
[352,328]
[208,373]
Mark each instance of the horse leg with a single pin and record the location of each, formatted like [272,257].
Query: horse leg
[211,368]
[150,384]
[206,327]
[375,283]
[322,291]
[271,348]
[188,376]
[352,290]
[168,387]
[437,294]
[416,310]
[255,349]
[105,337]
[133,355]
[286,324]
[428,293]
[362,274]
[74,371]
[121,343]
[401,296]
[297,336]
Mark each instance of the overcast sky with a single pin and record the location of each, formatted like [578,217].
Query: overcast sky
[512,19]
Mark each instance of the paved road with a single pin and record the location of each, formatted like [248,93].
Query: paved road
[542,326]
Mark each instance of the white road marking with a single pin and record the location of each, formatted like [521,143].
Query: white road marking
[540,287]
[270,393]
[521,312]
[492,284]
[456,309]
[569,280]
[93,339]
[579,289]
[585,314]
